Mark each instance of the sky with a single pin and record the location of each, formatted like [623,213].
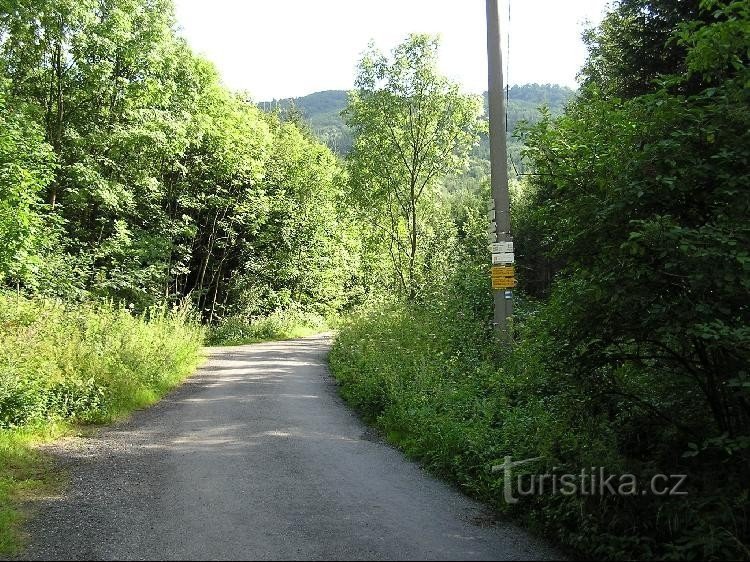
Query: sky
[290,48]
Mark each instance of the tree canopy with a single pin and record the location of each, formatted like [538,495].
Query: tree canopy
[151,180]
[411,127]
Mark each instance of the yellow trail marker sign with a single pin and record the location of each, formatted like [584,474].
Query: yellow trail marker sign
[503,276]
[503,282]
[503,271]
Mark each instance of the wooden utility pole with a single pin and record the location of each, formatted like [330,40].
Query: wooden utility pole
[501,241]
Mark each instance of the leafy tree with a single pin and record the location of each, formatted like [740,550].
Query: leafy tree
[25,170]
[165,183]
[634,46]
[642,204]
[665,289]
[411,127]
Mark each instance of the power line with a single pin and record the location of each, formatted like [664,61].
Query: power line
[507,91]
[507,74]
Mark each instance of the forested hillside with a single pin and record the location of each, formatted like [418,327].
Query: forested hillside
[322,111]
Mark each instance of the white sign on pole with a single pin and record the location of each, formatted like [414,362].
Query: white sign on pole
[501,248]
[507,257]
[491,215]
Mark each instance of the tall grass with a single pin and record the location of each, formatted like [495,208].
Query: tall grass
[279,325]
[90,363]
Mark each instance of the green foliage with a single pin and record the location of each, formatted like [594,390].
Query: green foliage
[526,104]
[305,253]
[322,112]
[665,293]
[717,51]
[25,170]
[130,176]
[438,384]
[412,127]
[632,231]
[128,173]
[61,364]
[165,184]
[633,48]
[88,363]
[280,325]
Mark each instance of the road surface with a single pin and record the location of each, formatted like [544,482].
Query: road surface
[257,457]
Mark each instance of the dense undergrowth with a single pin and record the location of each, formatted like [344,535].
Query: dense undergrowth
[62,365]
[437,381]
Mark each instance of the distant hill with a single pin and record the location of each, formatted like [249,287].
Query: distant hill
[523,105]
[322,111]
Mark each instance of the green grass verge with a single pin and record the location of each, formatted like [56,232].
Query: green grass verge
[25,473]
[280,325]
[65,366]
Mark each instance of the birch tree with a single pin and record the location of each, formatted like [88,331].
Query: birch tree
[412,126]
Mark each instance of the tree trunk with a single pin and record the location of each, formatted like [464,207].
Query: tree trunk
[413,240]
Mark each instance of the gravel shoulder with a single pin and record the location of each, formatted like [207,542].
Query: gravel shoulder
[257,457]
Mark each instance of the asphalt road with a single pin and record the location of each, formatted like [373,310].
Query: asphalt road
[257,457]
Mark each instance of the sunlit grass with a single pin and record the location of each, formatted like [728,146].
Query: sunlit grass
[25,473]
[281,325]
[62,366]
